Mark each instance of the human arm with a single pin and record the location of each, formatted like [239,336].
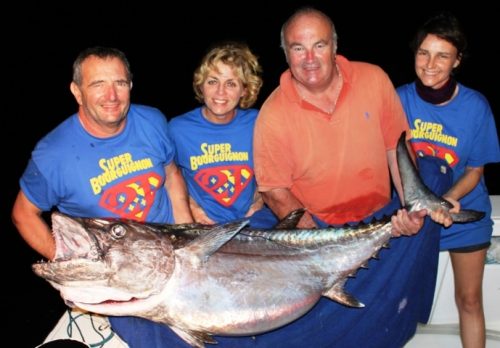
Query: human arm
[257,204]
[465,184]
[393,169]
[31,226]
[281,201]
[198,213]
[177,191]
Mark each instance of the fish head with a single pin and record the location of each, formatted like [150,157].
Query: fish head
[100,260]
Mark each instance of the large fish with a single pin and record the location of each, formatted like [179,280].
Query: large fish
[226,279]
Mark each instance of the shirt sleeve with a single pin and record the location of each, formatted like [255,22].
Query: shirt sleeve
[37,188]
[486,148]
[393,120]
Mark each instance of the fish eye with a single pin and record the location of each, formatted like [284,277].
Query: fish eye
[118,231]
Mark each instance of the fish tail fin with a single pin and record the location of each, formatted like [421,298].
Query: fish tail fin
[417,195]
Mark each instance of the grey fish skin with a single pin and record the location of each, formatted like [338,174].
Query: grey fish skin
[225,279]
[196,291]
[417,196]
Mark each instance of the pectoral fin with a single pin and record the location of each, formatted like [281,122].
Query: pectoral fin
[196,339]
[199,250]
[338,294]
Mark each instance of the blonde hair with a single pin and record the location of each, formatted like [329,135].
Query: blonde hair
[244,63]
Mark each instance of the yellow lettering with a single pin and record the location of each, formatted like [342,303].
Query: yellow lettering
[102,164]
[204,148]
[96,188]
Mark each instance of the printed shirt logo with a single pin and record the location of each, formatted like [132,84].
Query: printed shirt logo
[225,183]
[425,137]
[133,198]
[430,149]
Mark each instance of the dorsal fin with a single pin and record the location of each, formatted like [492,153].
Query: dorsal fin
[291,220]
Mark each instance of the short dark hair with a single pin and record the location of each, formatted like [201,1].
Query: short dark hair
[101,52]
[445,26]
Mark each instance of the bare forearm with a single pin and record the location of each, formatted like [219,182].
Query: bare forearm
[257,204]
[32,227]
[281,201]
[466,183]
[198,213]
[177,190]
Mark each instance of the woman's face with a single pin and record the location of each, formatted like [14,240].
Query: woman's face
[222,91]
[435,60]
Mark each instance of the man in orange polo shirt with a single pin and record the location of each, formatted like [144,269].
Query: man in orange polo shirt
[325,138]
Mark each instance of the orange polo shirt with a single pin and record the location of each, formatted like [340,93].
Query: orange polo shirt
[336,165]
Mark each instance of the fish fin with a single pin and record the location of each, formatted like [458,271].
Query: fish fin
[414,190]
[291,220]
[467,216]
[364,265]
[194,338]
[338,294]
[200,249]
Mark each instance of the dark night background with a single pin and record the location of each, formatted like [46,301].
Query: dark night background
[164,47]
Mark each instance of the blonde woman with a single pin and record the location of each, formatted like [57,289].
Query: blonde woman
[214,141]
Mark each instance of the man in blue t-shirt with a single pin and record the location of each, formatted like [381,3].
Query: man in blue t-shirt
[110,159]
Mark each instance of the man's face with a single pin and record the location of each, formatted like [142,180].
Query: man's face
[104,93]
[310,51]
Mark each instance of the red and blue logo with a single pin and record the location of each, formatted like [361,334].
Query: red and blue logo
[225,183]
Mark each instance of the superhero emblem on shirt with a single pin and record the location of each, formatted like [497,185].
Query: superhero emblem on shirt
[224,183]
[133,198]
[430,149]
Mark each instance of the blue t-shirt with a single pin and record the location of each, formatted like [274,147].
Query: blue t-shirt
[122,176]
[463,133]
[217,161]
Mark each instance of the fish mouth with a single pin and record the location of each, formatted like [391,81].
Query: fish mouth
[79,293]
[119,303]
[93,267]
[72,240]
[90,290]
[77,252]
[62,271]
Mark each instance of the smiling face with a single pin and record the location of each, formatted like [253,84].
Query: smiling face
[103,95]
[310,51]
[435,60]
[222,91]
